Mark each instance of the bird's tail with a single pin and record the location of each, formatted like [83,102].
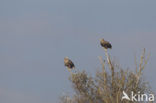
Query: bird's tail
[72,71]
[69,69]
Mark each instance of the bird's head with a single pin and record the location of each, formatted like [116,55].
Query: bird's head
[66,58]
[102,39]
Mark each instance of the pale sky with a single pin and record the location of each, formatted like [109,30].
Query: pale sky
[35,36]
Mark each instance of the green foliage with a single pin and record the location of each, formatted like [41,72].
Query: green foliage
[107,87]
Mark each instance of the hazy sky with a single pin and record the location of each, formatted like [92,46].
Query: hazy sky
[35,36]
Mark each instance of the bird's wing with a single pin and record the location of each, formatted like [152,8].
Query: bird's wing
[71,63]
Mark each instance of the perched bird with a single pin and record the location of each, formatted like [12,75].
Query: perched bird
[68,63]
[105,44]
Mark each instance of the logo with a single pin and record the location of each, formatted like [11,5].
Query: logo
[138,97]
[125,96]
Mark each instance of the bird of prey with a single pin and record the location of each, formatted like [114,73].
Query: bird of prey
[68,63]
[105,44]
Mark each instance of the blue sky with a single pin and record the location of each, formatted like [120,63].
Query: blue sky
[35,36]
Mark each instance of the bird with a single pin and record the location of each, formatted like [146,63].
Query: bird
[68,63]
[105,44]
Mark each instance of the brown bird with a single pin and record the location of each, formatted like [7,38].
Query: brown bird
[105,44]
[68,63]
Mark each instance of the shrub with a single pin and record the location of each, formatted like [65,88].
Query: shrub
[108,84]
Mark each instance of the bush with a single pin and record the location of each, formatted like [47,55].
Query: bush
[108,84]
